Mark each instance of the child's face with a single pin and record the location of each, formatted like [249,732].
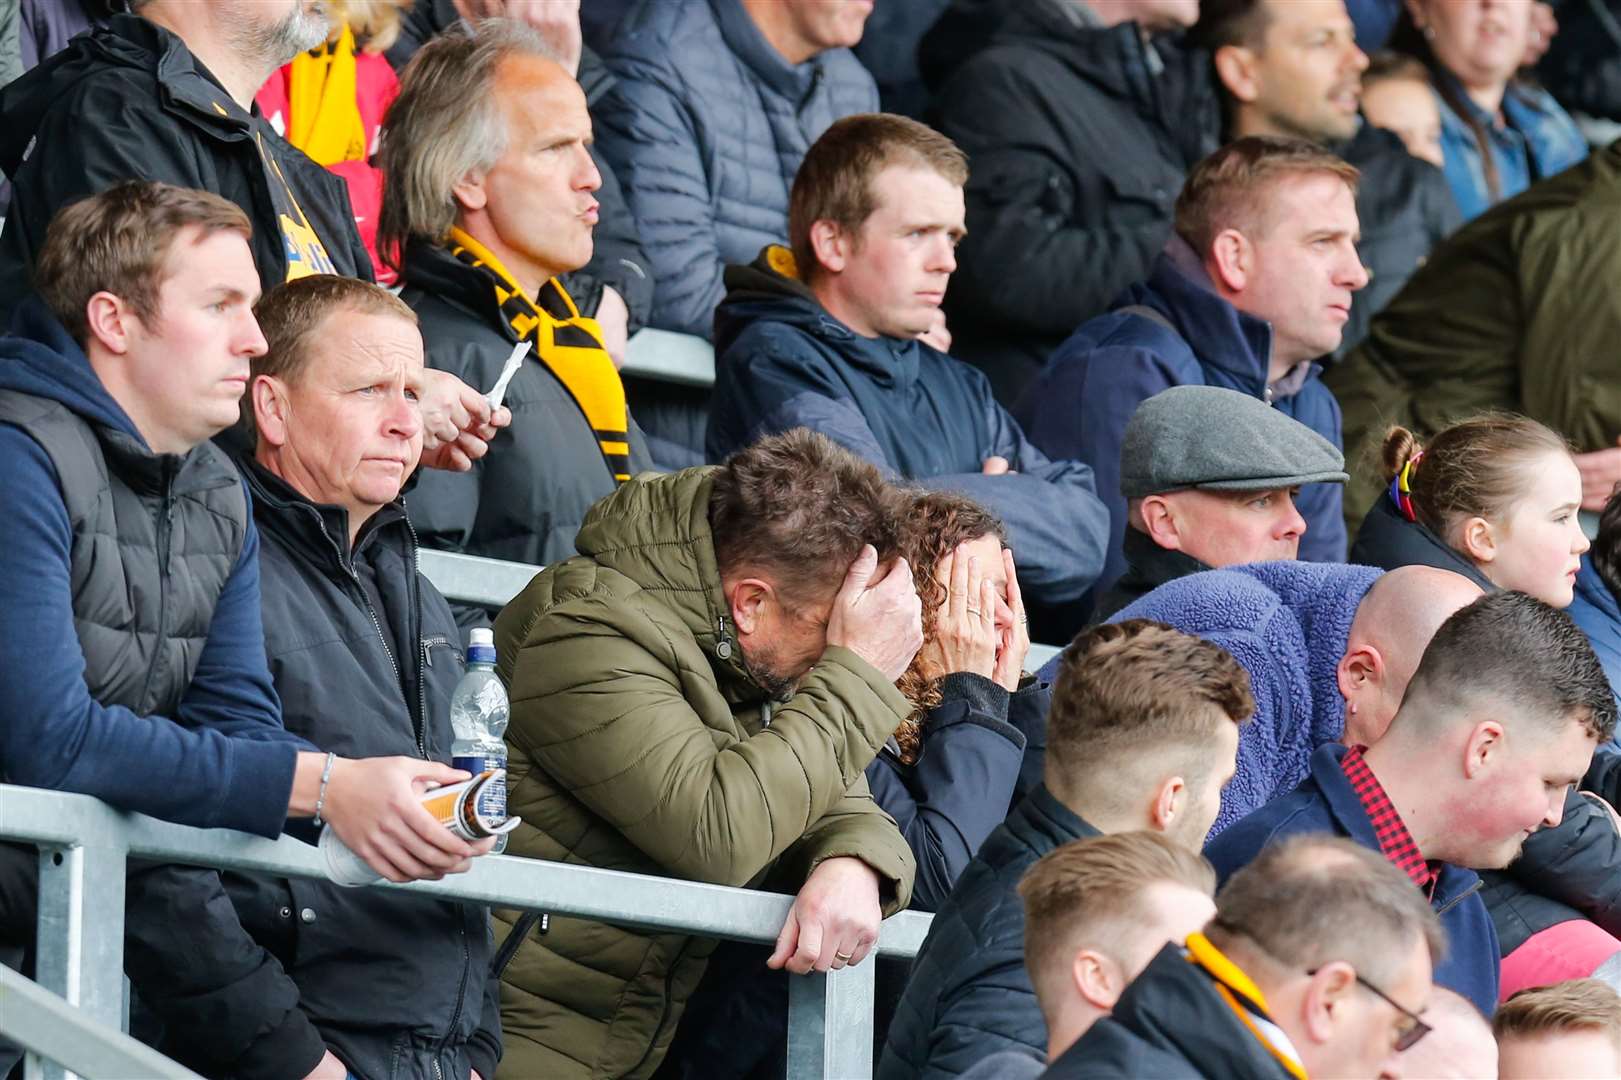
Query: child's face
[1407,107]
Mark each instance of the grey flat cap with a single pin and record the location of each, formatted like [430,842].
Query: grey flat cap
[1222,440]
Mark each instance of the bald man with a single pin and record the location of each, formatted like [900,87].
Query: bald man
[1329,649]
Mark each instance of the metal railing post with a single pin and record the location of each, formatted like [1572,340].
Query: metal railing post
[830,1023]
[79,950]
[52,1028]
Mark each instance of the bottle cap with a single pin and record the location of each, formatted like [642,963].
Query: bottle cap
[481,646]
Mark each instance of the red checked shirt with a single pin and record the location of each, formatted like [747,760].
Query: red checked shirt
[1394,839]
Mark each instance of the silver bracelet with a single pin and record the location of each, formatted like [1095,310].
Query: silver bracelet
[320,798]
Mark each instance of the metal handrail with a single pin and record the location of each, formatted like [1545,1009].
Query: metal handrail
[79,950]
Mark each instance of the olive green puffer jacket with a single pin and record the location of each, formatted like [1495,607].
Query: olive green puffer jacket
[1518,310]
[638,742]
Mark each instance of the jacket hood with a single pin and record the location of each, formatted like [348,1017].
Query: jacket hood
[129,42]
[1221,336]
[654,530]
[1066,30]
[41,359]
[769,290]
[792,82]
[1324,598]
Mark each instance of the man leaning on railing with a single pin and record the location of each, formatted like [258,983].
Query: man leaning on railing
[697,695]
[134,667]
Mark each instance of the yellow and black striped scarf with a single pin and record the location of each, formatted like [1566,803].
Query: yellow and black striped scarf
[570,345]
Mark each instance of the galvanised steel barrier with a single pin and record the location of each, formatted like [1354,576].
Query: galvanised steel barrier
[84,845]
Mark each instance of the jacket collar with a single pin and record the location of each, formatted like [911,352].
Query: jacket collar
[1187,1007]
[1351,818]
[1149,566]
[654,530]
[431,270]
[1220,335]
[769,290]
[185,87]
[1041,822]
[1591,587]
[321,530]
[1388,539]
[744,41]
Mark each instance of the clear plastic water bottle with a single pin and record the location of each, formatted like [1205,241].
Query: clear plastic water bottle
[478,715]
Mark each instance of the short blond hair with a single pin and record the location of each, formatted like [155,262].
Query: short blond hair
[1231,188]
[1137,692]
[1088,893]
[1577,1005]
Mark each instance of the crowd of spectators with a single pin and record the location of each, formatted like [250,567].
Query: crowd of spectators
[1254,348]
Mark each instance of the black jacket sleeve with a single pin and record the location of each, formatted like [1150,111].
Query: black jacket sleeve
[1578,862]
[226,1004]
[959,789]
[1027,711]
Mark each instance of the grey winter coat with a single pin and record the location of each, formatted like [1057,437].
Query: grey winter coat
[705,130]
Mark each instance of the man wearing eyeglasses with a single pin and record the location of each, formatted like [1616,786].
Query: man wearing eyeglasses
[1498,722]
[1317,963]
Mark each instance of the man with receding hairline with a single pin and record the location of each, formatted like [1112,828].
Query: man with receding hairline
[1498,723]
[1251,290]
[489,199]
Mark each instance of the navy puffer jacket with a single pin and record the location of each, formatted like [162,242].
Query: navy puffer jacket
[705,128]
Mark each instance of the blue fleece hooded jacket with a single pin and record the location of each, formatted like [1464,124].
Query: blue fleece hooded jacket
[224,760]
[1595,610]
[1287,624]
[1325,802]
[782,362]
[1078,407]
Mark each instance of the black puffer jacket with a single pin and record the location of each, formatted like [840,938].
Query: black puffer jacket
[364,655]
[1080,138]
[525,500]
[129,101]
